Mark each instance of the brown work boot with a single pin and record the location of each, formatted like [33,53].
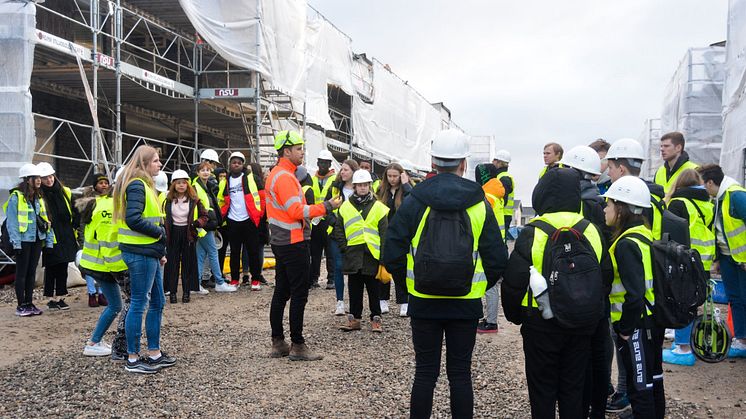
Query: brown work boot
[280,348]
[375,324]
[300,352]
[352,324]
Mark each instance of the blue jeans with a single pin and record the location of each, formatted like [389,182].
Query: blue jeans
[734,279]
[683,336]
[114,297]
[339,278]
[90,284]
[146,287]
[206,249]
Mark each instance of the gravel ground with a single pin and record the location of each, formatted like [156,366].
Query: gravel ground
[222,343]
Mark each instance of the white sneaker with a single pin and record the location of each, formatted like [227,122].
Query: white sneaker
[98,349]
[403,309]
[384,306]
[202,291]
[167,293]
[669,334]
[225,288]
[340,310]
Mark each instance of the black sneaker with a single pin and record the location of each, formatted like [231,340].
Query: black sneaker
[163,361]
[53,305]
[245,280]
[63,305]
[140,366]
[261,280]
[330,285]
[117,357]
[618,403]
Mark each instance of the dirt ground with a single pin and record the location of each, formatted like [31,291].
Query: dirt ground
[222,342]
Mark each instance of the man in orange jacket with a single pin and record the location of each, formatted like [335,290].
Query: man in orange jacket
[290,231]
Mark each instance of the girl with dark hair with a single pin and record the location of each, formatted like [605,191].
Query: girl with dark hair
[28,228]
[64,218]
[394,188]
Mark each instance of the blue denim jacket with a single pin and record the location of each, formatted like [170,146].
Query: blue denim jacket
[30,235]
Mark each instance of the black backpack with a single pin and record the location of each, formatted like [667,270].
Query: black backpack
[444,262]
[573,274]
[679,282]
[5,245]
[676,227]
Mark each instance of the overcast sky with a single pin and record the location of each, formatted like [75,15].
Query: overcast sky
[535,71]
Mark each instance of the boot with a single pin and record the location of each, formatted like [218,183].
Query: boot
[280,348]
[300,352]
[352,324]
[102,300]
[375,324]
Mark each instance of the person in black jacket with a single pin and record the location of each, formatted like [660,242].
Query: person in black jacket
[434,316]
[556,357]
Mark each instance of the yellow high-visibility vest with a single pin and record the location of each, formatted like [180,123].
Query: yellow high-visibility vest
[359,230]
[152,213]
[618,292]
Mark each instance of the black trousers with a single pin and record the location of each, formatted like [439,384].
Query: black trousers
[355,284]
[427,339]
[26,261]
[119,343]
[55,280]
[319,245]
[400,289]
[555,372]
[181,253]
[598,372]
[245,233]
[291,283]
[641,355]
[224,248]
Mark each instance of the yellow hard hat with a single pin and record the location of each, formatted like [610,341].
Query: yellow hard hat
[287,138]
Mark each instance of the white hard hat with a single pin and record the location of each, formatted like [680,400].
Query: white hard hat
[450,145]
[583,158]
[626,148]
[28,169]
[503,155]
[630,190]
[118,173]
[179,174]
[237,154]
[161,181]
[361,176]
[45,169]
[325,155]
[210,154]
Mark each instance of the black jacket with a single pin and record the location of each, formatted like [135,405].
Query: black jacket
[214,216]
[133,217]
[357,258]
[632,274]
[192,225]
[507,183]
[390,200]
[557,191]
[657,190]
[679,208]
[444,192]
[64,223]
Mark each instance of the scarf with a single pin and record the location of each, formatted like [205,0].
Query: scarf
[361,201]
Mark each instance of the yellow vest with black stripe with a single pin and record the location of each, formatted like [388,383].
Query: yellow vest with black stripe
[23,211]
[152,214]
[701,237]
[497,209]
[101,247]
[558,220]
[359,230]
[510,204]
[477,216]
[660,175]
[734,228]
[319,193]
[618,292]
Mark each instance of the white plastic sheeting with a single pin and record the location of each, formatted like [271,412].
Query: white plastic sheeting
[734,93]
[17,138]
[693,103]
[399,124]
[650,138]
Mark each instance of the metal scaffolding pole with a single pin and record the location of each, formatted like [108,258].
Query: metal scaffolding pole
[258,93]
[118,72]
[197,63]
[94,57]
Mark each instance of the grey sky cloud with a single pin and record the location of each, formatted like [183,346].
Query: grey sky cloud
[536,71]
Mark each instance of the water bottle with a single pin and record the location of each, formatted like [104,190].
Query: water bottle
[538,285]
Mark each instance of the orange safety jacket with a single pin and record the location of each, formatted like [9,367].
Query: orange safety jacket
[288,214]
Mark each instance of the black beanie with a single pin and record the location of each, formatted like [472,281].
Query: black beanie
[97,177]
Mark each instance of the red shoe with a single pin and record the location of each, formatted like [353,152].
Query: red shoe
[92,300]
[234,282]
[255,286]
[102,300]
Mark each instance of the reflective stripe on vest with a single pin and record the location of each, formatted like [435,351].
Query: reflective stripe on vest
[702,238]
[558,220]
[477,215]
[359,230]
[101,249]
[618,292]
[152,214]
[510,204]
[660,175]
[734,228]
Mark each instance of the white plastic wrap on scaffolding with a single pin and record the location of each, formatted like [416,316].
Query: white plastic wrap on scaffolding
[693,103]
[481,150]
[650,138]
[399,124]
[17,138]
[734,93]
[329,61]
[276,47]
